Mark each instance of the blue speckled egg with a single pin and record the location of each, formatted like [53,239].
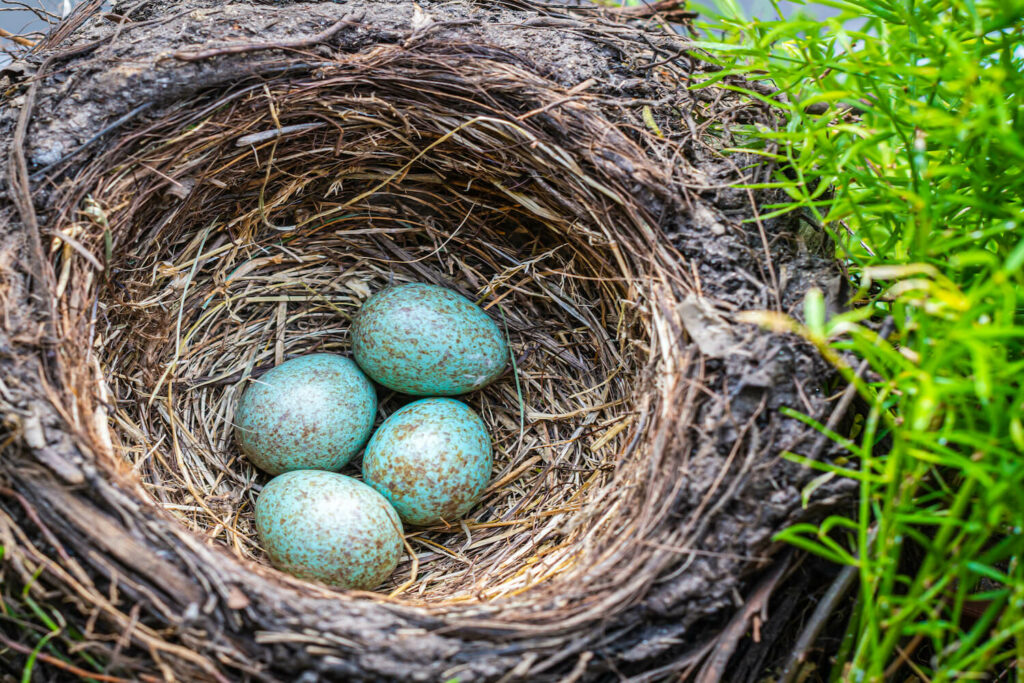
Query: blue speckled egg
[426,340]
[329,527]
[431,460]
[311,412]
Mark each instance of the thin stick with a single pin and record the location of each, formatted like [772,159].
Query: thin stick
[20,40]
[21,194]
[515,374]
[848,394]
[53,661]
[726,644]
[835,594]
[413,573]
[298,43]
[30,511]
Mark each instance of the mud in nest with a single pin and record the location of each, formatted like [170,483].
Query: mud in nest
[239,216]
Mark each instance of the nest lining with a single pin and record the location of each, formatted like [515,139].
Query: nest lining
[255,229]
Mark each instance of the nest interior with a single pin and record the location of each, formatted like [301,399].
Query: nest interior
[236,207]
[255,234]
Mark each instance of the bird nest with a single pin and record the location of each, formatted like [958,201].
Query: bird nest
[547,164]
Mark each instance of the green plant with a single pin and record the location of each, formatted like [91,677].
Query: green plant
[36,639]
[902,134]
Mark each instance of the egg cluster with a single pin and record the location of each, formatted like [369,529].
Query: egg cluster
[428,462]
